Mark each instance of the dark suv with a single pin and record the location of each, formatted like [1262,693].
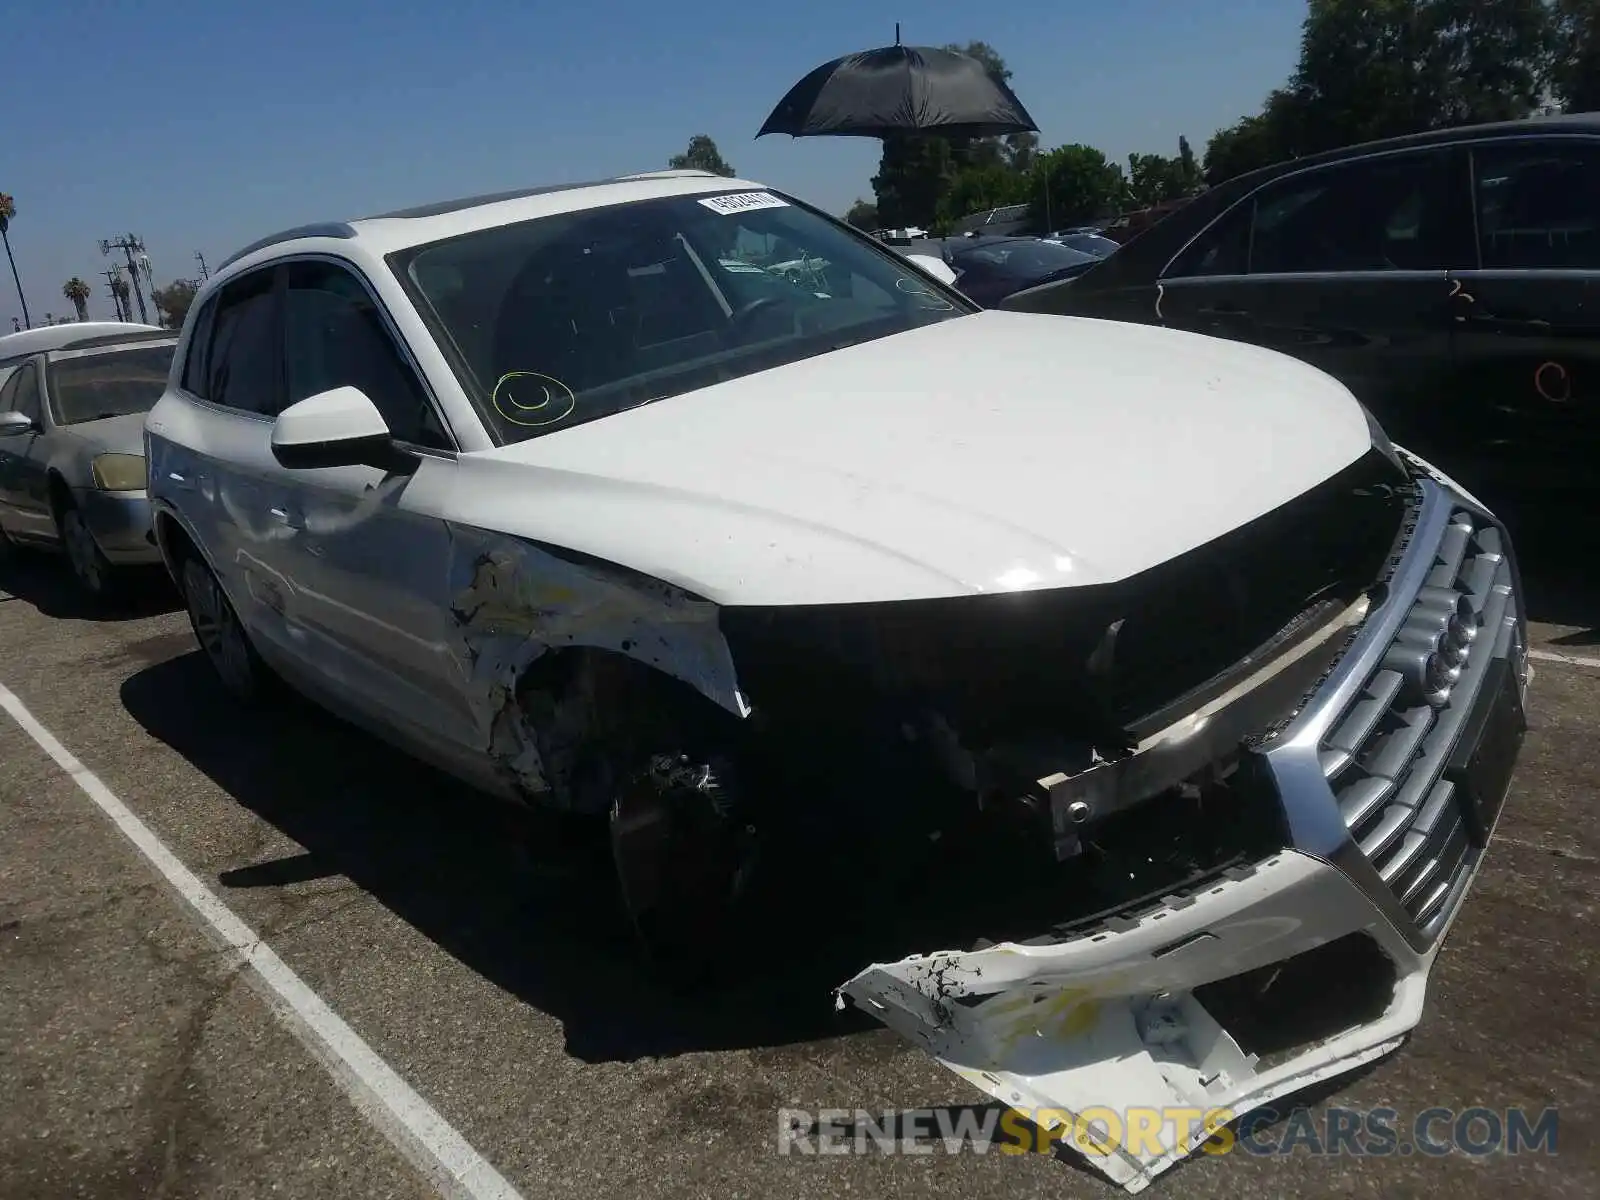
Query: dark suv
[1450,279]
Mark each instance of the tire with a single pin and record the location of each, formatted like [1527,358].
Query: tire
[90,567]
[221,636]
[682,854]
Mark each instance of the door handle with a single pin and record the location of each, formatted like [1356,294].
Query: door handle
[1223,310]
[180,481]
[283,517]
[1501,321]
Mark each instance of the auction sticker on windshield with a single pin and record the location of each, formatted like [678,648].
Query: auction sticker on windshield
[738,202]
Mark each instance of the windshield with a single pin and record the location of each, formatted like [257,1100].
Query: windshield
[566,319]
[1019,259]
[1089,243]
[108,383]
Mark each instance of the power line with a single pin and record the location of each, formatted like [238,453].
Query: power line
[131,244]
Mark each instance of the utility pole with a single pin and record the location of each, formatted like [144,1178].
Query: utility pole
[130,244]
[200,258]
[114,285]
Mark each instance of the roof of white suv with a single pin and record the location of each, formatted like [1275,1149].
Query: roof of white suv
[390,231]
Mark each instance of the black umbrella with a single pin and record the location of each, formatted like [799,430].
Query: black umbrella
[900,89]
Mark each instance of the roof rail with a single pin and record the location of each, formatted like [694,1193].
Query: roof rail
[324,229]
[119,339]
[674,173]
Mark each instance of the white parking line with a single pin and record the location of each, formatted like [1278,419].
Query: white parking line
[1571,660]
[404,1117]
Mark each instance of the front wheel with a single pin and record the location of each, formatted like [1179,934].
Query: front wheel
[683,855]
[218,630]
[90,566]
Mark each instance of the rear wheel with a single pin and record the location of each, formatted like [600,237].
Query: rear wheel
[223,639]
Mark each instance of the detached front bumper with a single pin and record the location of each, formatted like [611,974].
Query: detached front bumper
[121,524]
[1390,779]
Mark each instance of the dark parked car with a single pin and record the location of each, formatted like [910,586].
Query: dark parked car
[991,268]
[1450,279]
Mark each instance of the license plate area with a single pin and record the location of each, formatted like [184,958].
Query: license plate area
[1485,754]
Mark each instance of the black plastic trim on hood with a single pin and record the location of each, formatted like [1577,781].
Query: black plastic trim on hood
[1108,662]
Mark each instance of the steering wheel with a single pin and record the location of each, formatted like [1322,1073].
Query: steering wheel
[750,307]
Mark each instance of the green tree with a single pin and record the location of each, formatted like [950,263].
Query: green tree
[1372,69]
[174,301]
[863,214]
[1575,40]
[77,291]
[913,174]
[702,155]
[1188,168]
[977,189]
[1074,184]
[8,212]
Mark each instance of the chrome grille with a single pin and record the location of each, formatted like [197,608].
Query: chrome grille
[1386,750]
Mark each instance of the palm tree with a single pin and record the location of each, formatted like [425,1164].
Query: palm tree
[77,291]
[8,209]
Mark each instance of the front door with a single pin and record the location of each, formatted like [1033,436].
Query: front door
[24,484]
[1527,319]
[368,554]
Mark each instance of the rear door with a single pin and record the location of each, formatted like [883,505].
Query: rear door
[1527,319]
[1345,267]
[212,454]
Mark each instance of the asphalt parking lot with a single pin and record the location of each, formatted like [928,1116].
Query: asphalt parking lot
[138,1058]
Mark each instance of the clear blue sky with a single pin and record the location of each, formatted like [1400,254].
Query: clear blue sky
[200,126]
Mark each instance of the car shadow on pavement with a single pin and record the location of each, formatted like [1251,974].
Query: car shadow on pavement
[44,580]
[1557,550]
[528,903]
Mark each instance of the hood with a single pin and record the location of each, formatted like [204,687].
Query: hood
[993,452]
[110,435]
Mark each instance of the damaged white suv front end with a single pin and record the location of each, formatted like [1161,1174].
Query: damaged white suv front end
[1134,1034]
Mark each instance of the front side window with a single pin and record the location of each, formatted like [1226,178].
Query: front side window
[335,337]
[562,320]
[21,393]
[113,382]
[1538,205]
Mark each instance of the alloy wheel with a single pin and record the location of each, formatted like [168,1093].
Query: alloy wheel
[83,552]
[217,628]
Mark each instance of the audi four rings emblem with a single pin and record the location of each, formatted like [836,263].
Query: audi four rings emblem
[1431,649]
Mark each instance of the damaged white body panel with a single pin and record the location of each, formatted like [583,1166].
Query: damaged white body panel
[1104,1019]
[1108,1023]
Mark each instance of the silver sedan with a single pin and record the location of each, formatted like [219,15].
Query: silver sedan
[72,468]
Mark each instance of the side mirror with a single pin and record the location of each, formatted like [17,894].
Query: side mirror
[341,427]
[936,267]
[14,423]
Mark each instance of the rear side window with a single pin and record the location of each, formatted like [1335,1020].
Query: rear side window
[243,365]
[194,365]
[1223,249]
[1538,205]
